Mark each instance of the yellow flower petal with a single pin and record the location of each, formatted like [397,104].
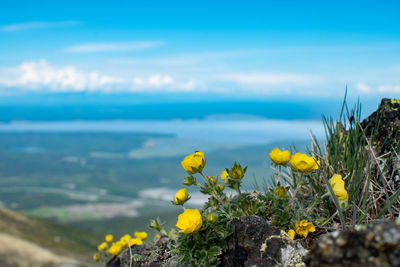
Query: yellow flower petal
[189,221]
[194,163]
[303,163]
[291,233]
[109,238]
[224,174]
[279,157]
[181,196]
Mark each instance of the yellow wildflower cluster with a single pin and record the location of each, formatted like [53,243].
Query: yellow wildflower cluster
[299,161]
[115,248]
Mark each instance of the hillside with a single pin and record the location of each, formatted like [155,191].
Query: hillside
[27,241]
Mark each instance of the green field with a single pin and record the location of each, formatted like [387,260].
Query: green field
[91,181]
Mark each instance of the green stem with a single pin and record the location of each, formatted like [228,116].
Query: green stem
[213,193]
[279,177]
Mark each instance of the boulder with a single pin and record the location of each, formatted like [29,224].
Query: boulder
[374,245]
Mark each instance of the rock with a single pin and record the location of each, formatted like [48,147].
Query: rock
[255,243]
[382,127]
[154,255]
[374,245]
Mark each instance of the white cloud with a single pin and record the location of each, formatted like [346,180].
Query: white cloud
[116,46]
[377,89]
[37,25]
[42,76]
[363,88]
[389,88]
[270,79]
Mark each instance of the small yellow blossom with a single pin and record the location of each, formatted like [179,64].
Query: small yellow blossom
[304,227]
[212,217]
[115,249]
[337,184]
[224,174]
[181,196]
[194,163]
[279,157]
[109,238]
[141,235]
[96,257]
[124,241]
[303,163]
[395,101]
[189,221]
[291,233]
[135,241]
[158,236]
[103,246]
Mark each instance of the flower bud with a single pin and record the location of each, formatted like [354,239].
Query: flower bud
[219,187]
[237,172]
[212,217]
[212,179]
[189,180]
[280,191]
[181,196]
[96,257]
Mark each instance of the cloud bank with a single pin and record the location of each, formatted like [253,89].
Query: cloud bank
[42,76]
[37,25]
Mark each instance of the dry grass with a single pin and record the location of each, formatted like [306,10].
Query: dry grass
[16,252]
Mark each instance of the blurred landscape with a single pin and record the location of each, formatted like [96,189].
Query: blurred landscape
[112,176]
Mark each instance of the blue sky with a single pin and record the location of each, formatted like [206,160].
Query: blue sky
[223,49]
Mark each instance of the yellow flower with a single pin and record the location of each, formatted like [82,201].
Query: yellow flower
[181,196]
[303,163]
[291,233]
[115,249]
[158,236]
[337,184]
[279,157]
[304,227]
[135,241]
[189,221]
[194,163]
[124,240]
[103,246]
[109,238]
[224,174]
[212,217]
[141,235]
